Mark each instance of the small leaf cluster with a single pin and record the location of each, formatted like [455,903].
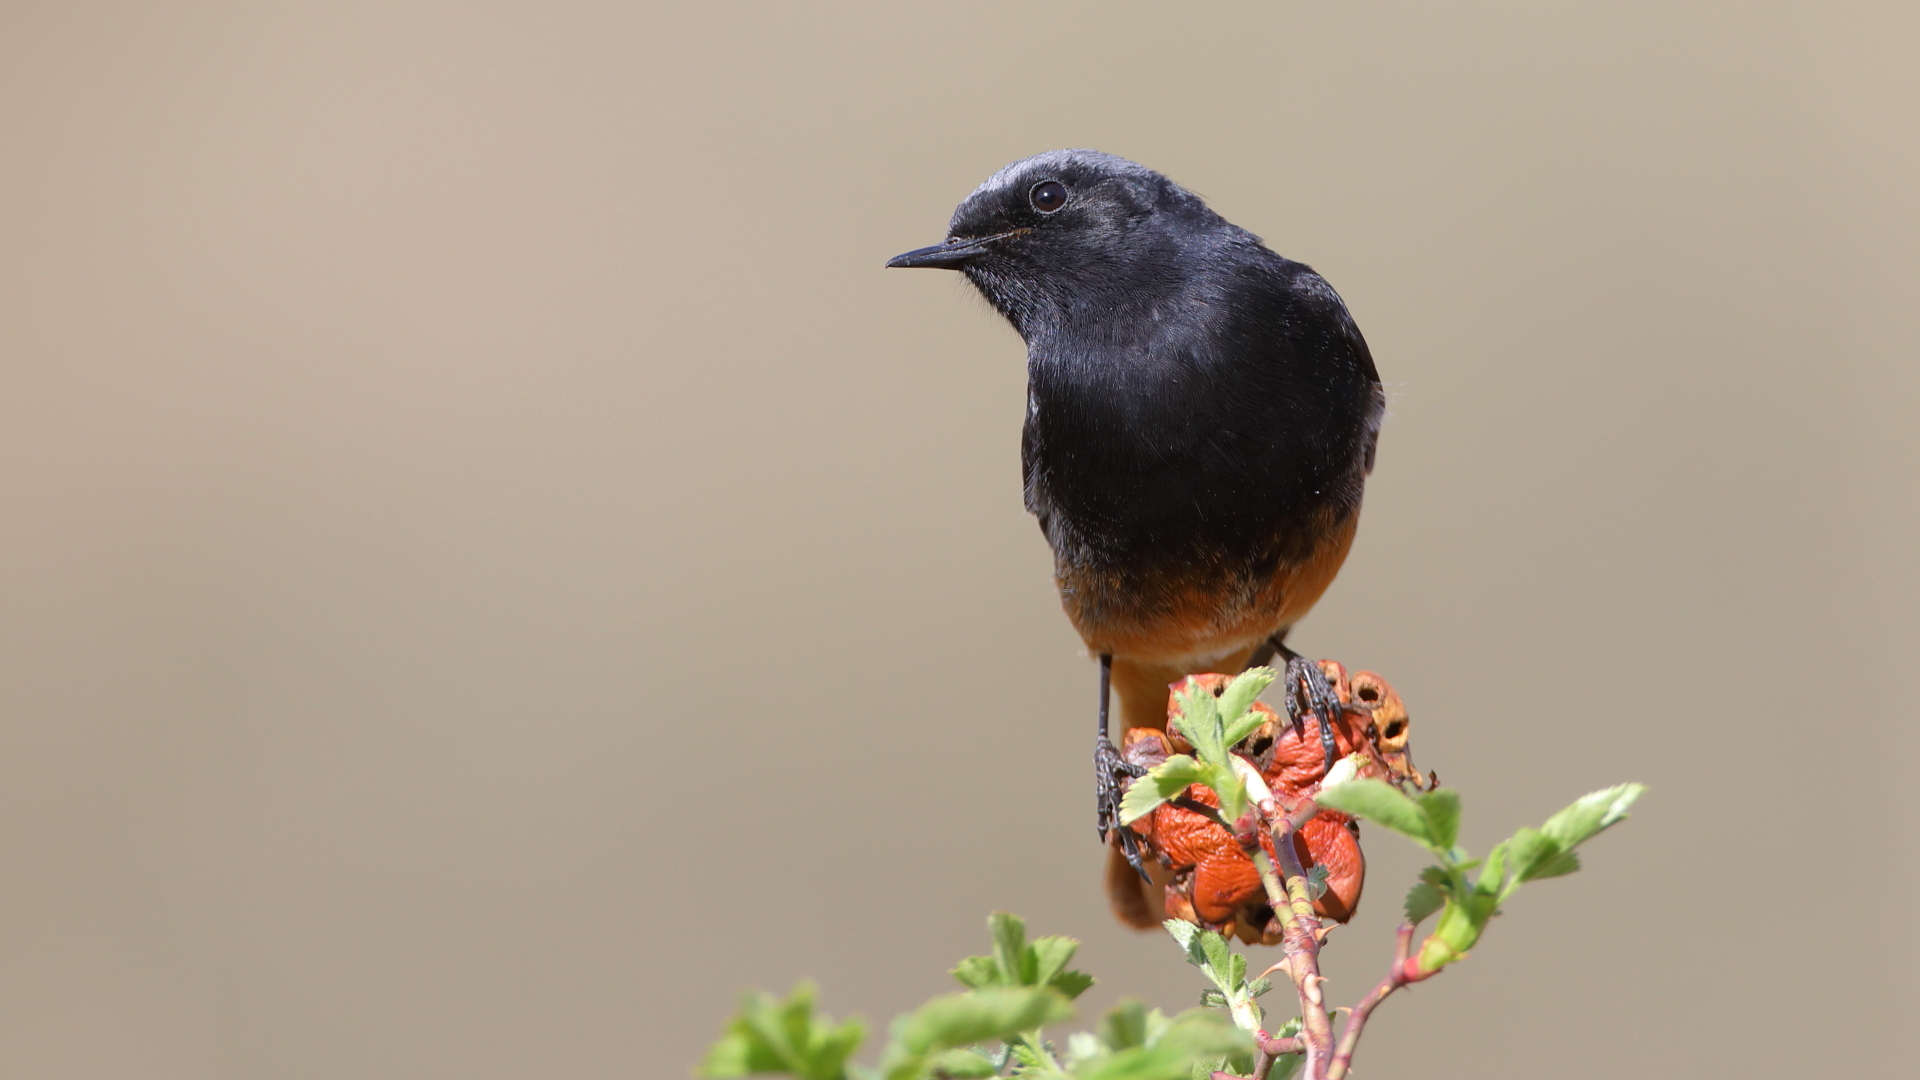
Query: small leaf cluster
[1226,969]
[1015,961]
[1134,1042]
[938,1039]
[1012,994]
[1467,901]
[1018,965]
[1213,726]
[786,1037]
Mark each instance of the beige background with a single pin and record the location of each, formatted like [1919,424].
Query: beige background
[424,428]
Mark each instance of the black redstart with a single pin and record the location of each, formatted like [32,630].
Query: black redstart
[1201,419]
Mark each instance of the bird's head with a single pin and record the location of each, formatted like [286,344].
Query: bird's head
[1070,227]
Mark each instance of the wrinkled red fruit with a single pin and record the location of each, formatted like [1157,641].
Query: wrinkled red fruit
[1206,875]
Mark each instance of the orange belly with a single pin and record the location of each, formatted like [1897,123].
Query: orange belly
[1187,627]
[1191,618]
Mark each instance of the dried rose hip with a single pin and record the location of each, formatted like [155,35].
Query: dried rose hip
[1206,875]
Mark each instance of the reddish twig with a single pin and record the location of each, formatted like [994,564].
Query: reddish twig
[1268,1047]
[1300,939]
[1400,974]
[1300,943]
[1273,1046]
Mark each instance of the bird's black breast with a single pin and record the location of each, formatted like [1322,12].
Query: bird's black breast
[1223,423]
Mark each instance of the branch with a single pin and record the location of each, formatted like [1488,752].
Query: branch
[1274,1047]
[1300,939]
[1268,1047]
[1397,977]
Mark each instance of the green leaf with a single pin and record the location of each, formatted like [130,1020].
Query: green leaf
[738,1054]
[962,1065]
[1527,848]
[769,1036]
[1186,934]
[1193,1036]
[1199,720]
[1229,789]
[1237,699]
[1591,813]
[1259,986]
[1422,901]
[978,1015]
[1452,937]
[1017,962]
[1125,1025]
[1212,999]
[1071,983]
[1484,906]
[1382,803]
[1316,882]
[1009,948]
[1153,1063]
[1164,781]
[976,972]
[1232,733]
[969,1017]
[1209,952]
[1495,875]
[1142,1063]
[1027,1060]
[1051,954]
[1442,811]
[1200,1032]
[1227,968]
[1559,866]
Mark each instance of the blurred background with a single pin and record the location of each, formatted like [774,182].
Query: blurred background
[492,567]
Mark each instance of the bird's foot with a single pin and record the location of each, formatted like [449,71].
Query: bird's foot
[1309,691]
[1110,775]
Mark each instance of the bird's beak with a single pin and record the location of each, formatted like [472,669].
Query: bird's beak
[951,255]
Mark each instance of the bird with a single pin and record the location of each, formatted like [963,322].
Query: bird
[1202,416]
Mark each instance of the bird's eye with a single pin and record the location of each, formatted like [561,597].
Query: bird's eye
[1048,196]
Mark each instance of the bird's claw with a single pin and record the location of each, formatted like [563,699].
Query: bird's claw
[1309,691]
[1111,771]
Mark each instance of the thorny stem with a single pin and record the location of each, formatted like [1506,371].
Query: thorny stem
[1249,1019]
[1287,891]
[1266,1048]
[1357,1021]
[1300,939]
